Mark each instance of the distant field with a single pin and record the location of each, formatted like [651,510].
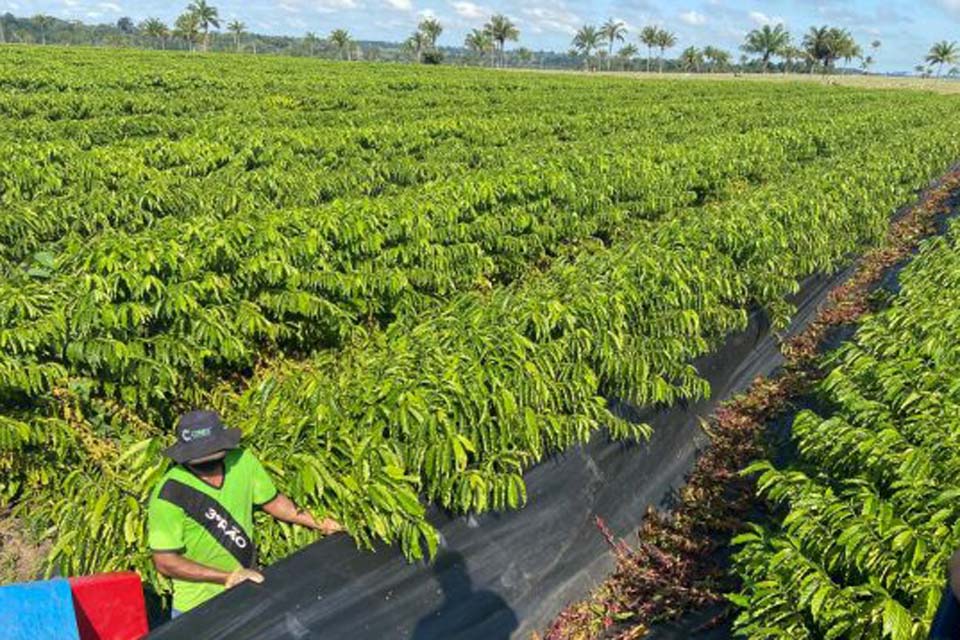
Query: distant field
[936,85]
[406,284]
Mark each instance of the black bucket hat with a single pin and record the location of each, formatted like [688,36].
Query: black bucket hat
[199,434]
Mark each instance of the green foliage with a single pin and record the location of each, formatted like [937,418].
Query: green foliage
[406,286]
[871,504]
[432,57]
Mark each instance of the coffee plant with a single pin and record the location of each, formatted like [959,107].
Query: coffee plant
[406,286]
[869,513]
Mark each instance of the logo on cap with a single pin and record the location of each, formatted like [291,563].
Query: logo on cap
[189,435]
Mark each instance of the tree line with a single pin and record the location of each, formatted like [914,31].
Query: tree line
[819,49]
[604,47]
[486,44]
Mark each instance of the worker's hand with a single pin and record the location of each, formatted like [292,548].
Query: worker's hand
[327,527]
[242,575]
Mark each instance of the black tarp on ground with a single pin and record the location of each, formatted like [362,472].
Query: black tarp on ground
[503,575]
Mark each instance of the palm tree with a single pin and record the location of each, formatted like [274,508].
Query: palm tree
[843,45]
[480,42]
[613,31]
[431,28]
[954,72]
[237,28]
[501,29]
[311,40]
[155,28]
[43,21]
[871,59]
[340,38]
[767,42]
[601,54]
[718,58]
[691,59]
[187,27]
[417,43]
[126,26]
[850,51]
[922,70]
[626,54]
[523,55]
[943,53]
[586,40]
[207,16]
[708,52]
[648,37]
[828,45]
[789,54]
[665,40]
[821,45]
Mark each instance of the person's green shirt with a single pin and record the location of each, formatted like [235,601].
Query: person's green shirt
[210,526]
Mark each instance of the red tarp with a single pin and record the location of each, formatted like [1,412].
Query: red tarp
[109,606]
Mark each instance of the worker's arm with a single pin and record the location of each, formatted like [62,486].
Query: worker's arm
[174,565]
[282,508]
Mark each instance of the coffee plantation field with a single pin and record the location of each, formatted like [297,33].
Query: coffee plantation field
[406,285]
[870,506]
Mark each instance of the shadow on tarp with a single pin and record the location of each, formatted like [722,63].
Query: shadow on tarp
[463,606]
[500,575]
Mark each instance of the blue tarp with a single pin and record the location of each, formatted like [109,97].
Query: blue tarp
[38,611]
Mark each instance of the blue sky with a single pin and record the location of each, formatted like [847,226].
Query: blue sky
[905,27]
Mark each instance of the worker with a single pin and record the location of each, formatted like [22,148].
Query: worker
[201,513]
[946,622]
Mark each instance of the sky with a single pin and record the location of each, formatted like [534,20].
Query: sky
[906,28]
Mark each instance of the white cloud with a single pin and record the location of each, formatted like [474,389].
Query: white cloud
[693,18]
[632,29]
[110,6]
[761,19]
[316,6]
[951,5]
[400,5]
[469,10]
[545,19]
